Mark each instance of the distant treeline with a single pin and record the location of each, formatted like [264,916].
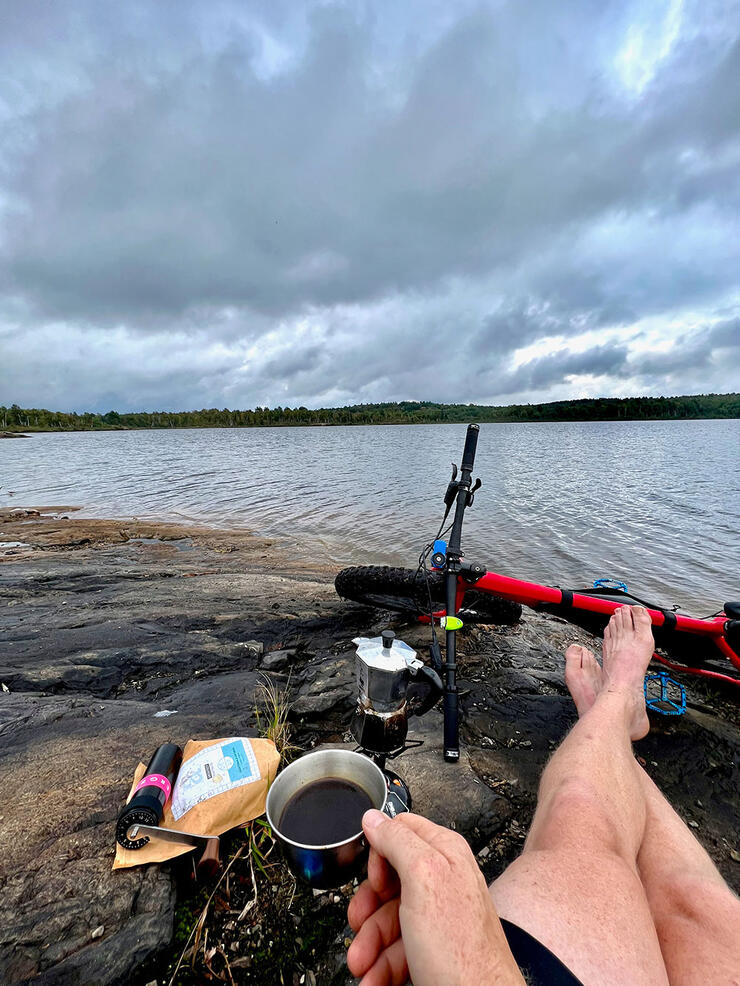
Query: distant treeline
[16,418]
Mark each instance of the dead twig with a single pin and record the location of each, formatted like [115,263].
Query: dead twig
[201,920]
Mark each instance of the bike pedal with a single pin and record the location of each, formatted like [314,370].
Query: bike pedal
[664,694]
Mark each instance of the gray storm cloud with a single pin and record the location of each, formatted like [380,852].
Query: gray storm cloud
[231,204]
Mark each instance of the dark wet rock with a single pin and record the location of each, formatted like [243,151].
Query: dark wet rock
[451,794]
[327,685]
[317,700]
[249,648]
[277,660]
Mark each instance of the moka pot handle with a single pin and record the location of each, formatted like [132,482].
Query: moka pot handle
[429,677]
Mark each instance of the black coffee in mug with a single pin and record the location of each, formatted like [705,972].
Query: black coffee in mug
[325,811]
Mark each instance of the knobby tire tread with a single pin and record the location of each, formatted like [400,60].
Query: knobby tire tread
[404,590]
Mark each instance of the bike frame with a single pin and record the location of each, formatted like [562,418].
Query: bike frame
[534,595]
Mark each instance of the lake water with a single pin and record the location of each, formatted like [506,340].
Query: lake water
[655,504]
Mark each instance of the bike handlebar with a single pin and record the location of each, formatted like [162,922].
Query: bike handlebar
[471,442]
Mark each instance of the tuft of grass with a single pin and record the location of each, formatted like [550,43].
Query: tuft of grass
[271,712]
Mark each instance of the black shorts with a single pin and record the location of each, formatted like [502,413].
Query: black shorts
[538,965]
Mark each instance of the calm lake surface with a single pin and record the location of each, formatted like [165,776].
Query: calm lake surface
[655,504]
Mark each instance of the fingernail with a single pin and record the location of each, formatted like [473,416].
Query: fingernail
[372,818]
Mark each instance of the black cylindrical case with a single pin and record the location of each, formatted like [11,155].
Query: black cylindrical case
[146,806]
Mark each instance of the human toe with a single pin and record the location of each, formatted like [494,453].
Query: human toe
[574,656]
[641,619]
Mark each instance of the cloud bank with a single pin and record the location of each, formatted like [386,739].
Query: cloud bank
[220,204]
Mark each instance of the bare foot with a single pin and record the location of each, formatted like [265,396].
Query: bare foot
[628,647]
[626,652]
[583,676]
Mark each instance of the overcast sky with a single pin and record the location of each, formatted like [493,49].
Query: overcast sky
[214,203]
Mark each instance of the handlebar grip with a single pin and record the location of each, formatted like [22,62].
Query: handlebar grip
[471,442]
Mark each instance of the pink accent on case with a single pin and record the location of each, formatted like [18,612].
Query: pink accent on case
[156,780]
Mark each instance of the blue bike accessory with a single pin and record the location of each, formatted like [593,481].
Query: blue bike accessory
[610,584]
[664,695]
[439,554]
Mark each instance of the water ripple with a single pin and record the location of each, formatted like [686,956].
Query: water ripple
[653,503]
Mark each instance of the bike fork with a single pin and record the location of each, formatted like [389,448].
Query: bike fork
[451,724]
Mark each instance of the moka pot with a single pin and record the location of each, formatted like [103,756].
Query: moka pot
[385,668]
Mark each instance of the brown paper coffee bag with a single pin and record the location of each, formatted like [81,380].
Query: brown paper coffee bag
[222,784]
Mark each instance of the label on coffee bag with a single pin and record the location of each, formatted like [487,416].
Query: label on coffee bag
[214,770]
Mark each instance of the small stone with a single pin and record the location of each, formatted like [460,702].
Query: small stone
[276,660]
[98,932]
[699,803]
[347,942]
[653,763]
[484,853]
[693,824]
[735,855]
[526,743]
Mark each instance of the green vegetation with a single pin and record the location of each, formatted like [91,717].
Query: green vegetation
[406,412]
[271,713]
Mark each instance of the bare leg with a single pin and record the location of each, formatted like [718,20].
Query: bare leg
[696,915]
[694,911]
[576,886]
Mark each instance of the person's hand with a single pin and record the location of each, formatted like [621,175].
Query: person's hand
[424,911]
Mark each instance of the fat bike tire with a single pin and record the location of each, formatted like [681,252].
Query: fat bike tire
[404,590]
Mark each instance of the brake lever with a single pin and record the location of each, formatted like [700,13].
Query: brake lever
[451,488]
[471,495]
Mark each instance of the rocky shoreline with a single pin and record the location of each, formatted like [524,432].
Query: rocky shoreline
[106,623]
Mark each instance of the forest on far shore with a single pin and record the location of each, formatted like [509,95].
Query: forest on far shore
[17,419]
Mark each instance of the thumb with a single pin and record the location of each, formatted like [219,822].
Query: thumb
[394,840]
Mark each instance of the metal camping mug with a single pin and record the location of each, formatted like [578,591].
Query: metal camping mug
[325,867]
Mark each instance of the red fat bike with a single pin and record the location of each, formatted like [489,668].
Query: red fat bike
[446,590]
